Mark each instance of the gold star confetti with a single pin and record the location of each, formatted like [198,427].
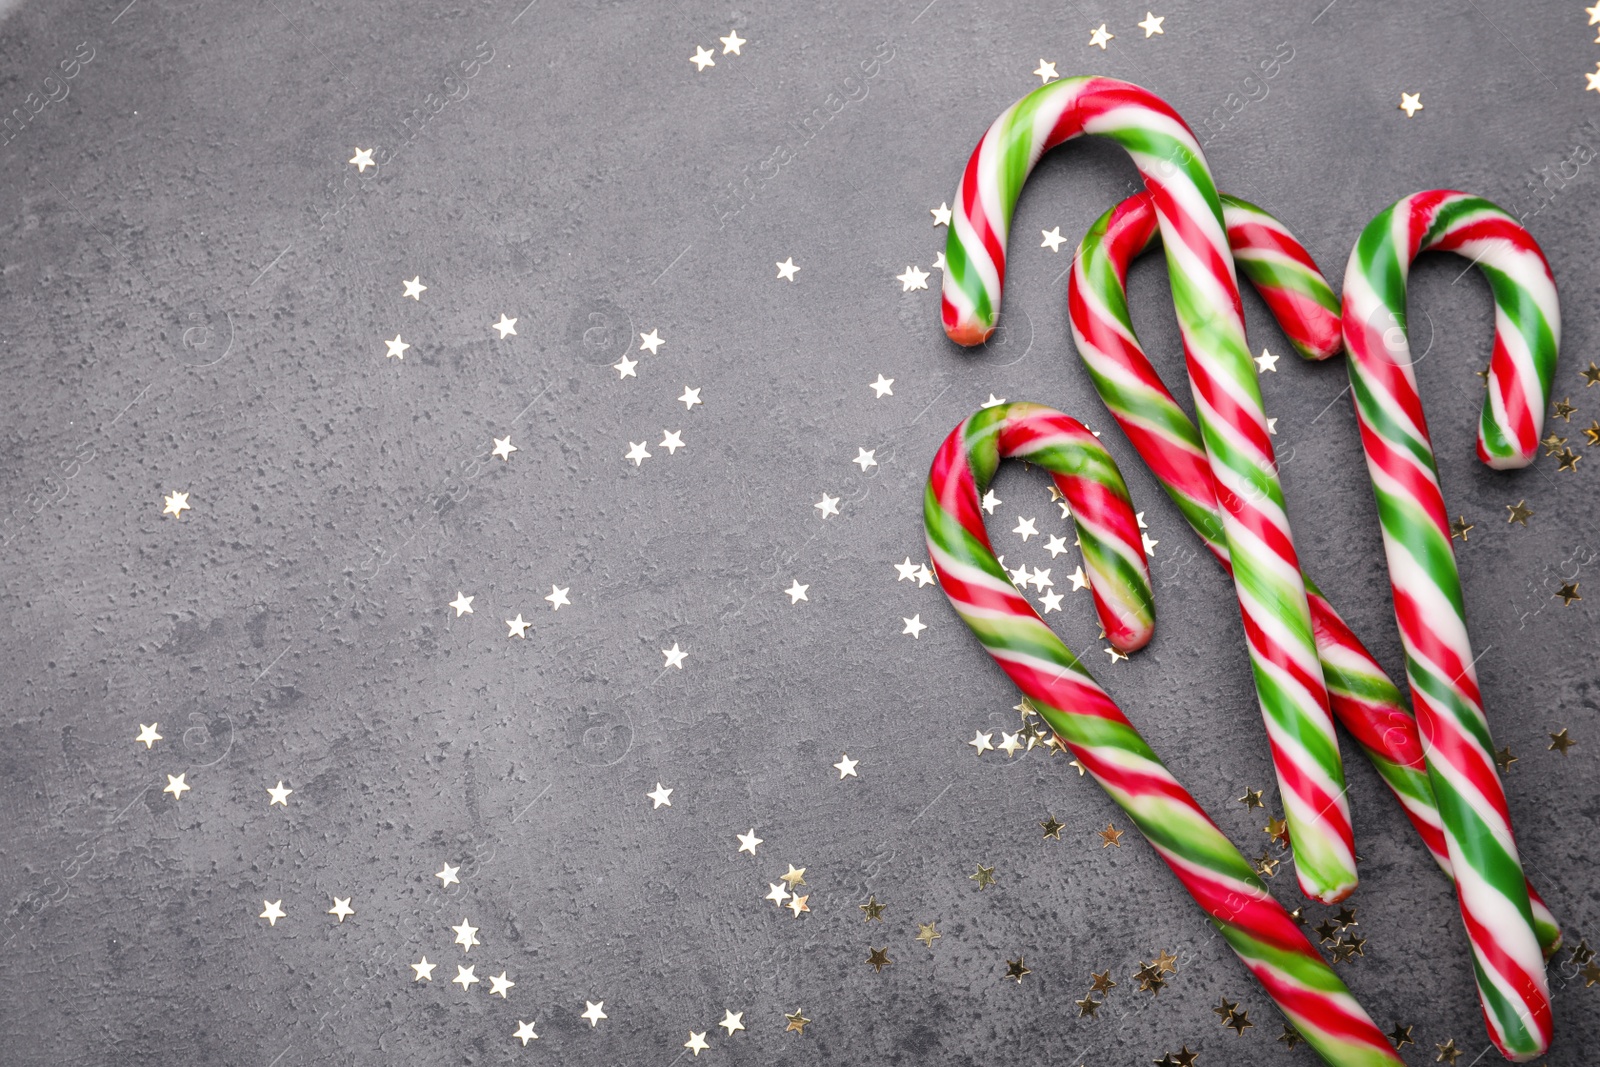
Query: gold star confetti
[176,786]
[1252,799]
[177,503]
[341,908]
[148,735]
[982,742]
[795,876]
[928,933]
[1448,1053]
[984,877]
[1504,759]
[1410,103]
[696,1043]
[1087,1006]
[362,159]
[594,1012]
[1582,954]
[702,58]
[1519,512]
[1099,38]
[1017,969]
[1052,828]
[1266,866]
[1291,1036]
[732,43]
[1149,978]
[1591,375]
[1225,1009]
[272,911]
[731,1021]
[878,957]
[1567,460]
[1166,962]
[1238,1022]
[797,1022]
[1047,74]
[1460,528]
[1345,916]
[797,903]
[1591,432]
[1102,982]
[1561,742]
[1110,836]
[1567,593]
[1564,409]
[1152,25]
[1590,973]
[414,289]
[1552,444]
[873,909]
[1327,931]
[1401,1036]
[279,793]
[425,971]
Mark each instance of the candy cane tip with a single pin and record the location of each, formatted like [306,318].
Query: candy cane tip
[967,334]
[1334,895]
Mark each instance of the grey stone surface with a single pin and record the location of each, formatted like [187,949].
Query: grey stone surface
[194,292]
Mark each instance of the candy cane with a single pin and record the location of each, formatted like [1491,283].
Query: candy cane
[1266,939]
[1272,598]
[1364,699]
[1512,986]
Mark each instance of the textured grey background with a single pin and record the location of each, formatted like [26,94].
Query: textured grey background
[196,288]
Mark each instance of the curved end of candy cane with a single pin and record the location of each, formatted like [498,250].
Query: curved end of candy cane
[1326,895]
[1504,461]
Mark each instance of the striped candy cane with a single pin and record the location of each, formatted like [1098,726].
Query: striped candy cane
[1272,598]
[1512,986]
[1266,939]
[1364,699]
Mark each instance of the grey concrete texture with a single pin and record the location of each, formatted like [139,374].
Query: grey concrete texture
[195,290]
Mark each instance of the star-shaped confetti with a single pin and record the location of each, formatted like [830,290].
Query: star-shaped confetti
[462,603]
[982,742]
[1052,827]
[424,970]
[696,1042]
[660,796]
[279,794]
[1099,38]
[414,289]
[1152,25]
[797,1022]
[794,876]
[362,160]
[176,503]
[702,58]
[341,908]
[732,43]
[797,592]
[1519,512]
[1448,1053]
[593,1011]
[928,933]
[466,935]
[637,452]
[872,909]
[828,505]
[524,1033]
[518,627]
[914,625]
[882,387]
[1052,239]
[787,269]
[797,903]
[865,458]
[397,348]
[749,841]
[846,767]
[147,735]
[652,343]
[675,656]
[1400,1036]
[1046,72]
[732,1021]
[984,877]
[499,985]
[1016,969]
[177,786]
[1560,742]
[1410,104]
[878,958]
[671,440]
[447,876]
[1110,836]
[1567,594]
[941,214]
[912,278]
[272,911]
[503,448]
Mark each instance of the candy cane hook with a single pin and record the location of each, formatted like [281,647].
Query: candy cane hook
[1364,699]
[1512,986]
[1267,940]
[1289,685]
